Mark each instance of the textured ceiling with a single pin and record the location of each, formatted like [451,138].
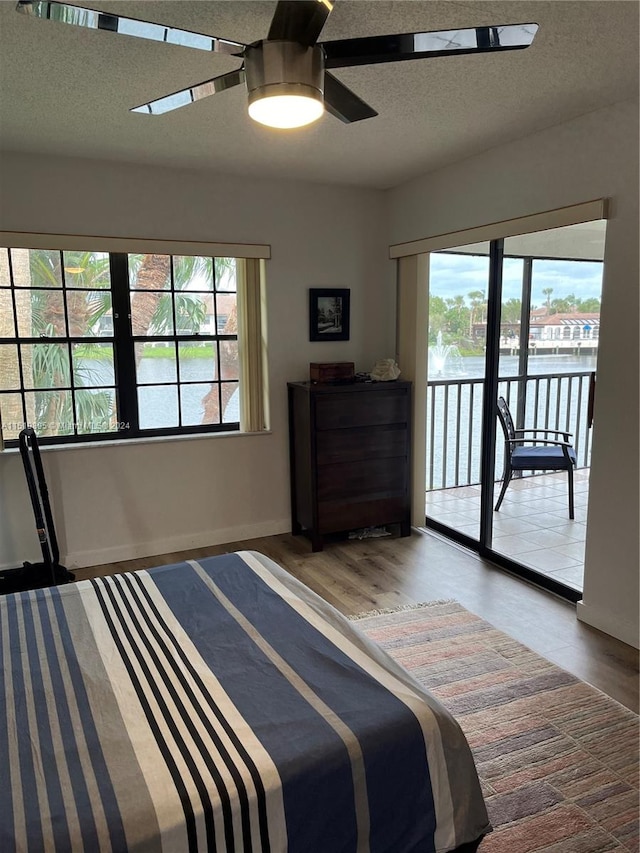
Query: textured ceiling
[67,90]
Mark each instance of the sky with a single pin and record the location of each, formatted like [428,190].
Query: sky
[453,275]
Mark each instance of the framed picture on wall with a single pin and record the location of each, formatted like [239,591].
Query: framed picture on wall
[328,314]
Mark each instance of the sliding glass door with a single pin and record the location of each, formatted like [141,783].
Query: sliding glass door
[518,319]
[458,294]
[546,371]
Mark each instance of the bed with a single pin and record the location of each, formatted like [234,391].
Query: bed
[218,705]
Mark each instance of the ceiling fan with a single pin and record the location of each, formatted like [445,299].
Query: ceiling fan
[287,74]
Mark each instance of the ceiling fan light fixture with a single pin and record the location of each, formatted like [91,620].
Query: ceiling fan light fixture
[286,106]
[285,82]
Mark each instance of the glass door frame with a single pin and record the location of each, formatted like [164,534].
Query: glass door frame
[483,545]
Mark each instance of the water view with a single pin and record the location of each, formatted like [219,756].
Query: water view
[158,404]
[158,391]
[455,366]
[556,396]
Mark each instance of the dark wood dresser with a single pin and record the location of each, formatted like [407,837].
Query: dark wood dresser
[350,453]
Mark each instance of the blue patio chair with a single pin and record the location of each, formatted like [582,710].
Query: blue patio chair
[534,454]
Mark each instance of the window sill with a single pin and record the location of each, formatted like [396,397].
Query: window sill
[155,439]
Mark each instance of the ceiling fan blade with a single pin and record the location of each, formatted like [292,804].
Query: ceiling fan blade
[343,103]
[299,20]
[397,48]
[192,94]
[78,16]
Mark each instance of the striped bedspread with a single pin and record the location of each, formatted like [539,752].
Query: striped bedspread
[218,705]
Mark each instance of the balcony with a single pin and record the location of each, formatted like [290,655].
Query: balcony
[532,527]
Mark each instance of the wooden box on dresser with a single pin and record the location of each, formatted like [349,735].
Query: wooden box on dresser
[350,457]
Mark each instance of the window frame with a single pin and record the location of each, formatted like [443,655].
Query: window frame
[123,340]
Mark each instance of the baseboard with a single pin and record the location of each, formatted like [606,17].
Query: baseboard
[171,544]
[609,624]
[32,559]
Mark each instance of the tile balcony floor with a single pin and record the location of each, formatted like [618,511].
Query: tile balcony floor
[532,526]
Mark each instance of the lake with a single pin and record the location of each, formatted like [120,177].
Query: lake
[472,366]
[158,404]
[454,425]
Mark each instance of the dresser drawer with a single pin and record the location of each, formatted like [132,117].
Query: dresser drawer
[366,478]
[334,516]
[348,409]
[351,445]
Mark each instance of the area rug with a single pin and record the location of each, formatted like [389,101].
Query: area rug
[558,759]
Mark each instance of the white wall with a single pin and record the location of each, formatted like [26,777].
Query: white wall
[591,157]
[117,502]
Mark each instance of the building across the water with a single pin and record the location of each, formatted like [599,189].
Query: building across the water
[566,327]
[563,332]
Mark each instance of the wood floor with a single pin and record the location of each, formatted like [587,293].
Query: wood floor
[356,576]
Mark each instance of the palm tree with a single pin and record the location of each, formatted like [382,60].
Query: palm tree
[213,413]
[151,303]
[457,314]
[547,292]
[511,311]
[49,362]
[151,311]
[213,408]
[589,305]
[151,275]
[477,301]
[12,414]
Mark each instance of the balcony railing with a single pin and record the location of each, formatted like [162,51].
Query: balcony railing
[454,421]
